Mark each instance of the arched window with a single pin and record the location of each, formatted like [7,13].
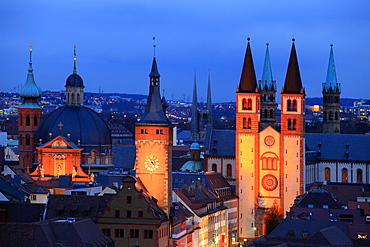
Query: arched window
[324,115]
[344,175]
[327,174]
[272,115]
[20,139]
[330,115]
[249,124]
[35,120]
[214,167]
[325,99]
[28,120]
[229,172]
[336,116]
[28,140]
[289,124]
[289,105]
[266,113]
[294,124]
[244,123]
[249,104]
[359,176]
[73,99]
[94,157]
[294,105]
[336,99]
[244,104]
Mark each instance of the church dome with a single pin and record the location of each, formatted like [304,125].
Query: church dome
[74,80]
[84,125]
[192,166]
[195,146]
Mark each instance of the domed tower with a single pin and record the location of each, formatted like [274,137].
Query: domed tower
[195,164]
[74,86]
[29,118]
[331,99]
[79,125]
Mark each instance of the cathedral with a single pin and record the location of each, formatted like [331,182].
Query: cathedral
[72,140]
[269,160]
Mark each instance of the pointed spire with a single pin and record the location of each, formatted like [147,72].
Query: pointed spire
[194,111]
[293,82]
[209,99]
[30,92]
[74,61]
[154,112]
[248,81]
[331,75]
[267,82]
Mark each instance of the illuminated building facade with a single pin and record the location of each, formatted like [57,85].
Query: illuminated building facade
[269,162]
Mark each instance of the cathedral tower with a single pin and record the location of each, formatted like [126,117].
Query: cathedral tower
[267,88]
[29,118]
[153,139]
[194,128]
[331,99]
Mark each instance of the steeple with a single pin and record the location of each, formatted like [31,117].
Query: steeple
[248,81]
[194,112]
[74,85]
[293,82]
[209,99]
[154,113]
[30,92]
[267,83]
[267,87]
[331,84]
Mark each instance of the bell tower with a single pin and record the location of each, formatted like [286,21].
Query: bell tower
[29,118]
[153,139]
[331,99]
[247,145]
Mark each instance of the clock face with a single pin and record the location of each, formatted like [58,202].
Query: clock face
[269,182]
[151,163]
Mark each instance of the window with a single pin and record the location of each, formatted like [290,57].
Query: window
[325,206]
[140,214]
[244,104]
[106,231]
[33,197]
[244,123]
[294,106]
[116,213]
[249,107]
[128,214]
[305,234]
[344,175]
[119,233]
[229,170]
[28,120]
[159,132]
[134,233]
[214,167]
[128,199]
[28,140]
[289,103]
[272,115]
[310,205]
[148,234]
[35,120]
[327,174]
[362,235]
[144,131]
[290,233]
[249,124]
[359,176]
[336,115]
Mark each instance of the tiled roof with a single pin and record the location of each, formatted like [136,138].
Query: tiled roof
[221,143]
[339,147]
[25,212]
[124,156]
[318,198]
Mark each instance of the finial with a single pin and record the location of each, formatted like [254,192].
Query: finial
[267,44]
[74,60]
[30,69]
[248,37]
[293,39]
[331,45]
[154,45]
[30,45]
[163,92]
[60,128]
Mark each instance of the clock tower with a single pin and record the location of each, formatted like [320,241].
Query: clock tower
[153,140]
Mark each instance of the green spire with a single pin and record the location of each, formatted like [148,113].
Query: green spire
[331,83]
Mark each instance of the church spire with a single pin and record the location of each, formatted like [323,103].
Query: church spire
[209,99]
[30,92]
[74,85]
[267,83]
[194,112]
[331,84]
[293,82]
[248,81]
[154,112]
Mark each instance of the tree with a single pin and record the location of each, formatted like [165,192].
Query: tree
[275,213]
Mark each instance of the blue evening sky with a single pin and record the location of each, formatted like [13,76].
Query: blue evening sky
[114,43]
